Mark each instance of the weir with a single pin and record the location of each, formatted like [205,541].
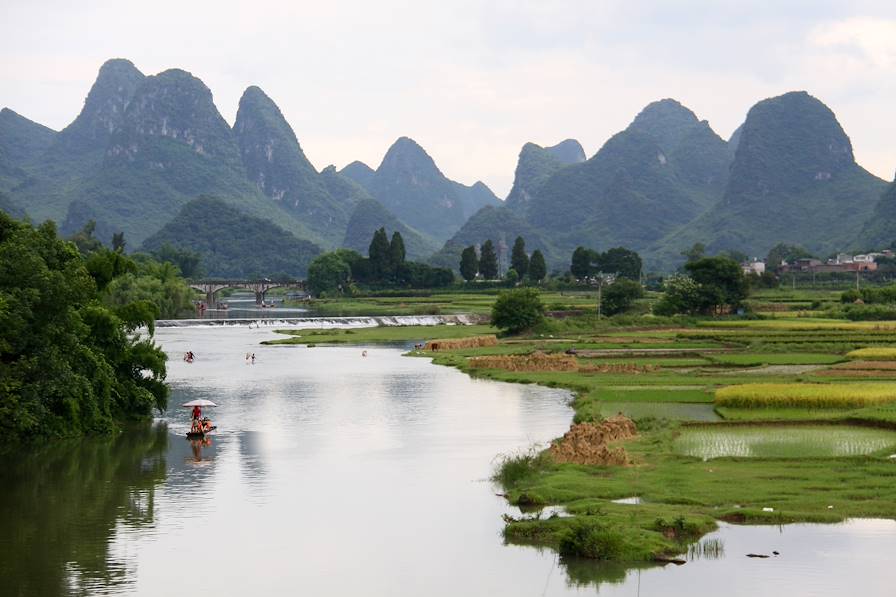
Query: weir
[328,322]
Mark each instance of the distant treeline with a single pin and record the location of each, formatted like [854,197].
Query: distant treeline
[343,271]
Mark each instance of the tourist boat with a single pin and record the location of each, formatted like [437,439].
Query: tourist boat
[200,434]
[205,424]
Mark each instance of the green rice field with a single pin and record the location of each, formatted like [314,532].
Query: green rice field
[779,441]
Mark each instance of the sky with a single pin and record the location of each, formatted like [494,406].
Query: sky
[470,81]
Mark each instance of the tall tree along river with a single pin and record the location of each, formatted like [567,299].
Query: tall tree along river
[337,474]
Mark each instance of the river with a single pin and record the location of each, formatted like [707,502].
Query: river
[337,474]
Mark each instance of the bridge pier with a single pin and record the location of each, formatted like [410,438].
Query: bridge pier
[211,287]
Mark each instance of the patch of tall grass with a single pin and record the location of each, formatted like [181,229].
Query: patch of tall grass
[806,395]
[515,468]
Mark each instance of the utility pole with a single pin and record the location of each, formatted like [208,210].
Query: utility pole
[857,280]
[600,285]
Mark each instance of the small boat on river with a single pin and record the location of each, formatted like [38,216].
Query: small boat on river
[199,427]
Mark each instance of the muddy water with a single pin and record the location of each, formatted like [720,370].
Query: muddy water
[337,474]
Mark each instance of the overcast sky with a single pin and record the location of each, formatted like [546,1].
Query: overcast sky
[470,81]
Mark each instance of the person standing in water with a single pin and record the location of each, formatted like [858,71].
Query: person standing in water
[253,358]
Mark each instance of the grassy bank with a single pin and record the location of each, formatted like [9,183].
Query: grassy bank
[668,375]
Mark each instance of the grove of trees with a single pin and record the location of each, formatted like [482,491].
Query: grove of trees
[619,260]
[712,285]
[70,360]
[522,265]
[385,266]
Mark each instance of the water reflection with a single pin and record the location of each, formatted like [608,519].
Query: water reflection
[61,504]
[333,474]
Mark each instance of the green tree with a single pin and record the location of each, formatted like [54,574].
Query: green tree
[517,310]
[85,240]
[189,262]
[621,261]
[783,252]
[519,260]
[469,264]
[619,296]
[118,242]
[379,255]
[328,273]
[396,251]
[488,261]
[537,267]
[680,295]
[511,277]
[581,263]
[721,281]
[68,363]
[150,281]
[695,253]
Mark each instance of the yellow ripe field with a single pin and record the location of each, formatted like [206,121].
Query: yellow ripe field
[806,395]
[805,324]
[873,354]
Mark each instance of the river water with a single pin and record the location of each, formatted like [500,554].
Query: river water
[337,474]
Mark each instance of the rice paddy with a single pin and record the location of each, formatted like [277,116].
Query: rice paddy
[816,441]
[806,395]
[874,354]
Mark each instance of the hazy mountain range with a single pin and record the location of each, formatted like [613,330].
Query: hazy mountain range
[144,148]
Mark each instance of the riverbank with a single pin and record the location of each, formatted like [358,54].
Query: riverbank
[665,378]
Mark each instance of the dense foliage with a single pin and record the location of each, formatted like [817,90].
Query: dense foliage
[519,260]
[538,269]
[782,252]
[469,263]
[714,285]
[619,296]
[488,261]
[517,310]
[69,363]
[623,262]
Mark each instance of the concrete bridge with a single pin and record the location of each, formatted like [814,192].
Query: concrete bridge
[259,287]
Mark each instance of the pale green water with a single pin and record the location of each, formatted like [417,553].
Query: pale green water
[676,411]
[335,474]
[776,441]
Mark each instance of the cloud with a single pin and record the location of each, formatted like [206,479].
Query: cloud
[872,40]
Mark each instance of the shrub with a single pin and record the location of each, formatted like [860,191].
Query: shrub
[517,310]
[592,539]
[519,467]
[620,296]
